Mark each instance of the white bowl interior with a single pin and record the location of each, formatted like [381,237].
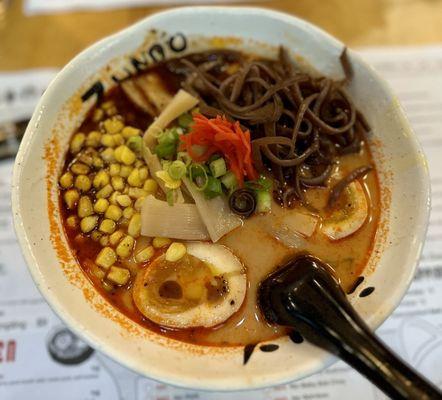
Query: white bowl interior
[403,178]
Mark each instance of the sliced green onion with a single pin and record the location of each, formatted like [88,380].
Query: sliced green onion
[168,136]
[184,157]
[213,188]
[170,197]
[198,176]
[229,181]
[218,167]
[135,143]
[165,150]
[263,201]
[184,120]
[261,184]
[177,170]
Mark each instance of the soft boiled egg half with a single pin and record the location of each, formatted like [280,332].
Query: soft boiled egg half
[202,289]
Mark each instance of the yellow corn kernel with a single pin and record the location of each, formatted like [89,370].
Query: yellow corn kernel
[128,212]
[113,125]
[86,158]
[108,140]
[104,240]
[118,275]
[106,257]
[77,142]
[124,200]
[96,236]
[124,248]
[159,242]
[111,111]
[101,179]
[129,131]
[128,157]
[150,186]
[66,180]
[101,206]
[114,169]
[72,221]
[113,212]
[145,254]
[118,152]
[80,168]
[113,197]
[134,178]
[125,171]
[116,237]
[98,115]
[117,182]
[104,192]
[108,104]
[118,139]
[88,224]
[136,193]
[134,226]
[138,163]
[144,173]
[107,226]
[108,155]
[139,203]
[85,207]
[97,271]
[98,162]
[93,139]
[71,198]
[175,252]
[83,183]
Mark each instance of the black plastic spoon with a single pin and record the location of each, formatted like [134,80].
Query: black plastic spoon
[305,295]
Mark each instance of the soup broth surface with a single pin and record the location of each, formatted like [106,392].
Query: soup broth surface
[259,250]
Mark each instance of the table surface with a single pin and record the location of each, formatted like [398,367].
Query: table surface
[52,40]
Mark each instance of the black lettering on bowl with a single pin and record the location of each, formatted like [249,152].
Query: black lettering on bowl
[296,337]
[248,350]
[268,348]
[367,292]
[356,285]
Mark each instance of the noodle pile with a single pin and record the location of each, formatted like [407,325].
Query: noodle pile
[299,124]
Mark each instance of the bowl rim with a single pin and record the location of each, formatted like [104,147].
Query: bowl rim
[92,339]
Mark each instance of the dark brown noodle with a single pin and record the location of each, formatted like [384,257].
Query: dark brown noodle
[344,182]
[299,124]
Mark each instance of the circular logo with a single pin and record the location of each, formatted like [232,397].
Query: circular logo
[66,348]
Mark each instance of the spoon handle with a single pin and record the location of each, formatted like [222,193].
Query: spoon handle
[310,300]
[345,334]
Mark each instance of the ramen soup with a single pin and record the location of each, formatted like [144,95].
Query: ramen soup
[189,183]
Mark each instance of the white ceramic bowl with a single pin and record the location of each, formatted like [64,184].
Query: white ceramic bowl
[403,178]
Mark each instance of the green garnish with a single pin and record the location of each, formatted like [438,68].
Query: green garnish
[184,120]
[184,157]
[135,143]
[170,197]
[229,181]
[198,176]
[167,143]
[261,184]
[218,167]
[177,170]
[213,188]
[263,201]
